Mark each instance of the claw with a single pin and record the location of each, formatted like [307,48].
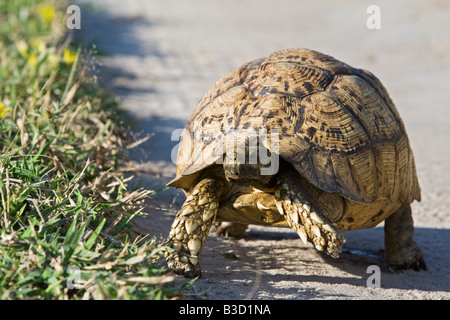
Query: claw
[417,265]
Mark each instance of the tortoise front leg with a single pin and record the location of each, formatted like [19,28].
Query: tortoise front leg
[191,227]
[302,216]
[401,251]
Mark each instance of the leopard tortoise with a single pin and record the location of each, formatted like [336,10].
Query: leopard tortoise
[296,139]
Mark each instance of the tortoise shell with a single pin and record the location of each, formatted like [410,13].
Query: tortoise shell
[337,126]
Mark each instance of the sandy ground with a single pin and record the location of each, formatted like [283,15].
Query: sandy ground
[160,57]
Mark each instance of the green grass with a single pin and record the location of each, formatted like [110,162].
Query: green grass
[65,210]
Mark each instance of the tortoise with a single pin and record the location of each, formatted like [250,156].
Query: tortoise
[296,139]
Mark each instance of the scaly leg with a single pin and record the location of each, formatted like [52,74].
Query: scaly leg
[231,229]
[310,224]
[401,251]
[191,227]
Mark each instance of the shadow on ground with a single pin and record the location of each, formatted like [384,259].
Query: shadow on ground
[112,35]
[283,260]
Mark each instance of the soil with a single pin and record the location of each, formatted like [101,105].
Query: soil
[160,57]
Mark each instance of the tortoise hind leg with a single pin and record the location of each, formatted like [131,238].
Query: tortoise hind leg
[191,227]
[303,216]
[231,229]
[401,251]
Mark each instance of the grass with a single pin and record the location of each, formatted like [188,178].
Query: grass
[65,209]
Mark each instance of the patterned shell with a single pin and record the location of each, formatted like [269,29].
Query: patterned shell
[337,125]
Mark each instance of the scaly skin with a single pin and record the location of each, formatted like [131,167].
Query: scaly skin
[401,251]
[231,229]
[191,227]
[303,217]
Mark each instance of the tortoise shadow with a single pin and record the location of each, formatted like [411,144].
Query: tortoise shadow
[362,249]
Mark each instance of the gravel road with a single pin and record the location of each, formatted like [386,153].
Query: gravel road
[160,57]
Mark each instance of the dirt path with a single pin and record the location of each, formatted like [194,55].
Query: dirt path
[162,56]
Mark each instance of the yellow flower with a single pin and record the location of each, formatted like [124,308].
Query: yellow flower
[22,47]
[2,111]
[38,44]
[69,56]
[32,60]
[46,12]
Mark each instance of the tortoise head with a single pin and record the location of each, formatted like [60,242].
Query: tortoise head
[250,165]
